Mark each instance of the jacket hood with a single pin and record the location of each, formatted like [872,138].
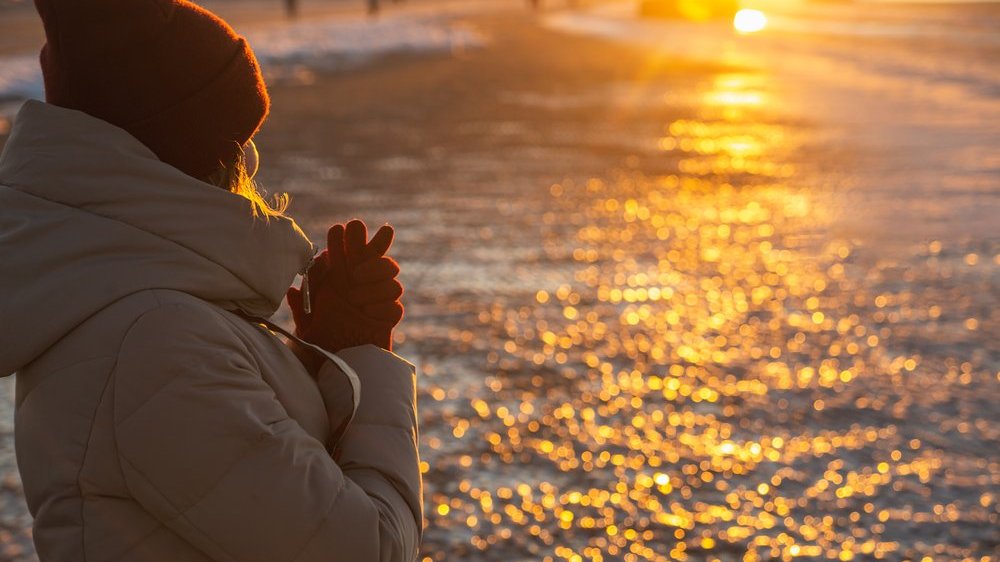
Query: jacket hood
[88,215]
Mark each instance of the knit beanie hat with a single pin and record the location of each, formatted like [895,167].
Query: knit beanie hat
[172,74]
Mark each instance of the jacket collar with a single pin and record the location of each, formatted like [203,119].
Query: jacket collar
[88,214]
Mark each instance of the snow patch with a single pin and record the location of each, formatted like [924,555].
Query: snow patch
[20,77]
[335,43]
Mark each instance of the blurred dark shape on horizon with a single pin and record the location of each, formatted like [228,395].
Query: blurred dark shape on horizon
[373,7]
[292,7]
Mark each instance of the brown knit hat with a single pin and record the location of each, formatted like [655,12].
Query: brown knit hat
[171,73]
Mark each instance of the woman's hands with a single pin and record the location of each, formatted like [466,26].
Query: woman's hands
[354,291]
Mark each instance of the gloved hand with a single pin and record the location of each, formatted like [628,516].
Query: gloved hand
[354,291]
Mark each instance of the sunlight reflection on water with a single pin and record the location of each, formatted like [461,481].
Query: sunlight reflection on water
[721,379]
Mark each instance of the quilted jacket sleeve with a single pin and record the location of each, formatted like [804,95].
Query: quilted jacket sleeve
[380,447]
[208,450]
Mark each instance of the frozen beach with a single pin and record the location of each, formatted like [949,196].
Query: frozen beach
[675,293]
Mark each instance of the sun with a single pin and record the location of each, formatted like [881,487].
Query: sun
[749,21]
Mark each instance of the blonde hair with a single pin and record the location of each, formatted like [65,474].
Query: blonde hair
[235,178]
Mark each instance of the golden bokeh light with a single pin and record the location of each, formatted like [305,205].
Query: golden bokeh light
[700,363]
[749,20]
[716,377]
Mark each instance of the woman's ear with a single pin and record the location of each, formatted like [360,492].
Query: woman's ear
[251,158]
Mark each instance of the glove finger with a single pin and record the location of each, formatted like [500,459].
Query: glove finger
[335,243]
[319,271]
[294,298]
[336,259]
[380,242]
[374,271]
[356,238]
[386,291]
[384,312]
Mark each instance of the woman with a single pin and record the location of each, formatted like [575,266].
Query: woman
[158,415]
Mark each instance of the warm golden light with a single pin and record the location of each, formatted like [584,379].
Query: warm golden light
[749,21]
[705,366]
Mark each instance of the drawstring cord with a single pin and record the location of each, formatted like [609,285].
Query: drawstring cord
[306,295]
[352,377]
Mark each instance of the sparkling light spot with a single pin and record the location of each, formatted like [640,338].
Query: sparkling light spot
[749,21]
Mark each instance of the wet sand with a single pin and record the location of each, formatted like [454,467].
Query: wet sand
[646,324]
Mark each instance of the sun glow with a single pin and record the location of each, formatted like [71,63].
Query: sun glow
[749,21]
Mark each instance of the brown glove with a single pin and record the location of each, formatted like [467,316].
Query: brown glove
[353,291]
